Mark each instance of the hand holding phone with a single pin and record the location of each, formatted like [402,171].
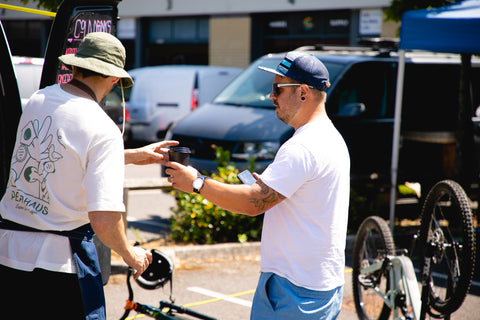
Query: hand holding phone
[246,177]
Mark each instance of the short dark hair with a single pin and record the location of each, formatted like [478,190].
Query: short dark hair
[89,73]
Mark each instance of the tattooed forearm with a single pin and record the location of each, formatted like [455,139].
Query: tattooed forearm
[270,199]
[264,189]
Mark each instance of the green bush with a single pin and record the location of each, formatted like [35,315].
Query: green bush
[197,220]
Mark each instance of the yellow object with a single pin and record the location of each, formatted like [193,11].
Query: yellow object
[28,10]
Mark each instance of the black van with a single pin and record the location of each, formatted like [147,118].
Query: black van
[74,19]
[361,103]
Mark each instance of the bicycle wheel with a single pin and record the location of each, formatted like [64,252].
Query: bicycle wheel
[447,246]
[372,243]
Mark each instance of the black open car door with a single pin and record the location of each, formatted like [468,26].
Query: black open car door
[74,20]
[10,109]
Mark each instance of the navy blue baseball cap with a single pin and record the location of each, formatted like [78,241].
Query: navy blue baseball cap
[303,68]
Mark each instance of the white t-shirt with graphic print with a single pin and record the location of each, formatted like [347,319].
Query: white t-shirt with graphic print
[68,160]
[303,237]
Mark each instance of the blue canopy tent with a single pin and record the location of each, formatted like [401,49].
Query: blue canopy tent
[454,28]
[450,29]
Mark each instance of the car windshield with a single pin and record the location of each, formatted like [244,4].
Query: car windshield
[253,86]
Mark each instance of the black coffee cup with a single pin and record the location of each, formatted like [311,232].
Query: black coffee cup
[180,155]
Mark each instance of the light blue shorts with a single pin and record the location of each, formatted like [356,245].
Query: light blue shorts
[276,298]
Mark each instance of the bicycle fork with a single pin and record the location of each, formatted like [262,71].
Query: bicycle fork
[406,285]
[403,286]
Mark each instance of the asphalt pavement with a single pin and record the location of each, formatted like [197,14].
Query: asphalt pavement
[149,212]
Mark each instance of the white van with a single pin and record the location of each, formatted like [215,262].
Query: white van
[162,95]
[28,72]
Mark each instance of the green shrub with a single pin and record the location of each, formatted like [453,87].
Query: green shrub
[197,220]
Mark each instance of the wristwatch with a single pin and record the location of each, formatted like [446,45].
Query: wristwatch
[198,183]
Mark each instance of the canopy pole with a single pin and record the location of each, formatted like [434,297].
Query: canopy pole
[396,136]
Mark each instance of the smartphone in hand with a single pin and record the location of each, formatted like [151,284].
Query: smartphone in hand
[246,177]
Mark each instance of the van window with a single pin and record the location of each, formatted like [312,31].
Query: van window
[253,86]
[431,96]
[369,83]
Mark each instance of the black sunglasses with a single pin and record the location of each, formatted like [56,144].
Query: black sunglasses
[276,87]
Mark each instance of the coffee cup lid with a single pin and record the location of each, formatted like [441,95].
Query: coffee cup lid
[181,149]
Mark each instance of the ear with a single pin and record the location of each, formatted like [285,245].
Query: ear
[304,92]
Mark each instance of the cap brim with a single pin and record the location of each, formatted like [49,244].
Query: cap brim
[271,71]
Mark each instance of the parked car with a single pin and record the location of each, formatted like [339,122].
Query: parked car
[361,104]
[28,72]
[112,105]
[163,94]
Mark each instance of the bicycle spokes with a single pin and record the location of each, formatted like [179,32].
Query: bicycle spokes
[370,279]
[448,254]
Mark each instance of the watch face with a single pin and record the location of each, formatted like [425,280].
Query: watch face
[197,183]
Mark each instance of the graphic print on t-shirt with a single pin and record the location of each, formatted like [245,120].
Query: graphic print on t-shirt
[34,159]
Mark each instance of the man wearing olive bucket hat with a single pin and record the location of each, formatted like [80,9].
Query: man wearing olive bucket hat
[66,182]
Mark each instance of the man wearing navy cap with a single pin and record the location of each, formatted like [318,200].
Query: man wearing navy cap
[304,193]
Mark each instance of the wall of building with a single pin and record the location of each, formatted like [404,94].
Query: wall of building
[218,32]
[230,41]
[390,29]
[148,8]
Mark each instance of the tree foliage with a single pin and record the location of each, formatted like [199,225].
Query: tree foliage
[50,5]
[397,7]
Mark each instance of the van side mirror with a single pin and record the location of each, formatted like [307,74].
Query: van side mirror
[351,109]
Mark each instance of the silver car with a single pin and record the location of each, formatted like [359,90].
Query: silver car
[162,95]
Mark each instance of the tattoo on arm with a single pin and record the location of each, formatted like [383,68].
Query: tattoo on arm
[269,199]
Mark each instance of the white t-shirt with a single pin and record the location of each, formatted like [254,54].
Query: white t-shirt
[303,237]
[68,160]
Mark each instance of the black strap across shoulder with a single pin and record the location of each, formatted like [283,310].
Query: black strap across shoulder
[82,86]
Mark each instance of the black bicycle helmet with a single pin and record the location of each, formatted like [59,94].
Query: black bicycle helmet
[158,273]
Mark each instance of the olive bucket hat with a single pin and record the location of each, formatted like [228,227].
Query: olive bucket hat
[100,52]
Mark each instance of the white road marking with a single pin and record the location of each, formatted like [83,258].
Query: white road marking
[222,296]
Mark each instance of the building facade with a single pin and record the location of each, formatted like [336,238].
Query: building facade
[217,32]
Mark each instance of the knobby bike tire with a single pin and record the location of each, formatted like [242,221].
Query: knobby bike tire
[446,221]
[372,243]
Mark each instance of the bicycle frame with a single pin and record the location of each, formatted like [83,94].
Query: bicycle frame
[165,310]
[403,285]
